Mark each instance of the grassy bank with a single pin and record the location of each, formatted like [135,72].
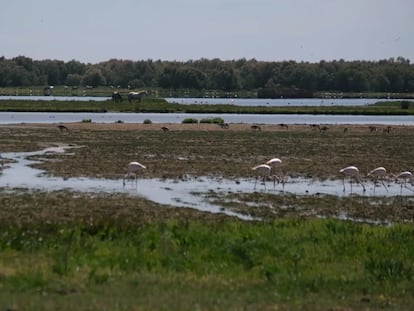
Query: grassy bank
[103,262]
[161,106]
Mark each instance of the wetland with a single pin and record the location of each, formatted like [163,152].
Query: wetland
[299,248]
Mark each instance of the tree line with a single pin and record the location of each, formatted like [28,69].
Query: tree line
[269,79]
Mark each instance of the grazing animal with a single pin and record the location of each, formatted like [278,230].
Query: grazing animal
[345,130]
[224,125]
[282,125]
[387,129]
[62,128]
[137,95]
[314,127]
[262,170]
[323,129]
[378,173]
[372,128]
[165,129]
[256,128]
[352,172]
[116,97]
[133,168]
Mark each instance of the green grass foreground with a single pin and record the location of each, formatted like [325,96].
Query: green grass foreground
[293,264]
[152,105]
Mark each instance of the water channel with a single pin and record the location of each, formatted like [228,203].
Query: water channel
[108,117]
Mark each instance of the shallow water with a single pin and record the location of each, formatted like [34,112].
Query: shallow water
[192,192]
[62,98]
[112,117]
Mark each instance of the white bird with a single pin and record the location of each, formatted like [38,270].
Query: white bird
[133,168]
[274,163]
[378,173]
[262,170]
[352,172]
[405,176]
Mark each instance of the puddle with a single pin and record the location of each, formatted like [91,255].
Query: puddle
[20,174]
[192,193]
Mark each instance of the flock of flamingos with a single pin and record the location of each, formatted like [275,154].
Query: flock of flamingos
[378,174]
[263,171]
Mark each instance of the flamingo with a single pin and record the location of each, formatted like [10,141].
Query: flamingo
[274,163]
[262,170]
[405,176]
[352,172]
[378,173]
[133,168]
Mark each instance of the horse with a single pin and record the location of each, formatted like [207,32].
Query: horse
[116,97]
[137,95]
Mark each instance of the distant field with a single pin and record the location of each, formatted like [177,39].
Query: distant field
[155,105]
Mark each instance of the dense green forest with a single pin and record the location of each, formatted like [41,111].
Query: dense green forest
[269,79]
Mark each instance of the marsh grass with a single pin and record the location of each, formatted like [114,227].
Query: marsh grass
[161,106]
[194,262]
[64,250]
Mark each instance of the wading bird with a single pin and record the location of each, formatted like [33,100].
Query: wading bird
[274,163]
[133,168]
[405,176]
[378,173]
[263,171]
[352,172]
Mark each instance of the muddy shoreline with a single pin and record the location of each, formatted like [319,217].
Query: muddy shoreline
[190,153]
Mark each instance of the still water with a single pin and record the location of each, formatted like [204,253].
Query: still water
[63,98]
[108,117]
[192,192]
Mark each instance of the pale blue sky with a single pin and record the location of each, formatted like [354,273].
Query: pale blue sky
[270,30]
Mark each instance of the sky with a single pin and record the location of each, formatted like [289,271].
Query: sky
[92,31]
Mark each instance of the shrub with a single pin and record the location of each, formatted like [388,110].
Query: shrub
[147,121]
[190,120]
[119,121]
[86,120]
[405,105]
[217,120]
